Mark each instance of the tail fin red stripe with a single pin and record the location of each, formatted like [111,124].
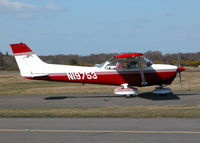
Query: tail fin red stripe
[20,48]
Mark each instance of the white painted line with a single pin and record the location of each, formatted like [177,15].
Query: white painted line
[102,131]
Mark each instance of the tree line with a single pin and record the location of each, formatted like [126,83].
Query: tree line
[7,62]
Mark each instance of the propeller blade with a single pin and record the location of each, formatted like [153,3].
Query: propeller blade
[180,79]
[179,70]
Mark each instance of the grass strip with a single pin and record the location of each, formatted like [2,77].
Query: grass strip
[111,111]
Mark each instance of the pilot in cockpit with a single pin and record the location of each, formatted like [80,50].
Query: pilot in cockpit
[132,65]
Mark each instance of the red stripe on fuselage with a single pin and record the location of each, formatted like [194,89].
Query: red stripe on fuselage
[118,78]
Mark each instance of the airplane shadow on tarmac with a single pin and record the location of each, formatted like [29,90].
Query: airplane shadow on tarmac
[171,96]
[151,96]
[145,95]
[81,96]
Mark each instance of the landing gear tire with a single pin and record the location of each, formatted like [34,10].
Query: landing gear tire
[160,90]
[130,95]
[126,91]
[164,94]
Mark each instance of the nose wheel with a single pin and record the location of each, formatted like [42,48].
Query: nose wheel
[161,90]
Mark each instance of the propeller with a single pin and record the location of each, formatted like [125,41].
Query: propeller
[179,70]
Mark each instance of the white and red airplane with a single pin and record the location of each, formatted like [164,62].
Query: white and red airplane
[127,70]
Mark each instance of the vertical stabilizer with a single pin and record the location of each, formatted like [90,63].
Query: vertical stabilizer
[29,64]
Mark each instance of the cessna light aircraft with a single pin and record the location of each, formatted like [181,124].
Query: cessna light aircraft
[126,70]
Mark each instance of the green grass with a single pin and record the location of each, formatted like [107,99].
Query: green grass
[11,83]
[113,111]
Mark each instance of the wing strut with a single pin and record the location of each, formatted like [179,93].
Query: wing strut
[144,82]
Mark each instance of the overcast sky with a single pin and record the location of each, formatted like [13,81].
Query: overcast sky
[100,26]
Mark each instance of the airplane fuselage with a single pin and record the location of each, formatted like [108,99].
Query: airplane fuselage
[156,74]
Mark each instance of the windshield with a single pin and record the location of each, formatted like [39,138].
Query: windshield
[148,62]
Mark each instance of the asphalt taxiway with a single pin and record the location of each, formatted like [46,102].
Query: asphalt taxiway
[89,130]
[98,130]
[98,100]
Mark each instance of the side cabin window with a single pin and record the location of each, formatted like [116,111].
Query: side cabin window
[133,65]
[122,64]
[126,63]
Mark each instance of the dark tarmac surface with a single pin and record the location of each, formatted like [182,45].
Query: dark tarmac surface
[98,100]
[99,130]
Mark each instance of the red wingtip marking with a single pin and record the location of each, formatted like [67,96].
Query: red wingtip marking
[20,48]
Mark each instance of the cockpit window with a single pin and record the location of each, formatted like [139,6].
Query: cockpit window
[125,63]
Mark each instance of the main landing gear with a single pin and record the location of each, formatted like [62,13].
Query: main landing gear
[160,90]
[126,90]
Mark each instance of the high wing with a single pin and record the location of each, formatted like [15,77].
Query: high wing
[129,55]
